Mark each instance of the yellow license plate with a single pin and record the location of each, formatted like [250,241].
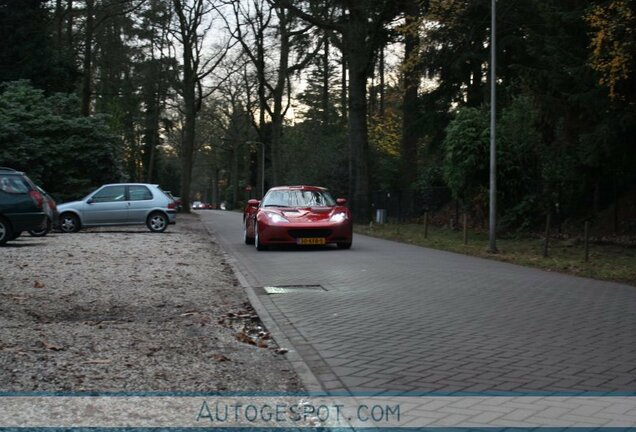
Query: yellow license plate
[311,241]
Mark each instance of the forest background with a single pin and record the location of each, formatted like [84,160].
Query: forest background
[384,102]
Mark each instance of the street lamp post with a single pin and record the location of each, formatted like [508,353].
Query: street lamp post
[492,235]
[262,165]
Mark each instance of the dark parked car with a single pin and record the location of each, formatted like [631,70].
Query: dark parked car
[21,205]
[176,199]
[52,215]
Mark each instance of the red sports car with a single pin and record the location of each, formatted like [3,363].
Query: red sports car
[302,215]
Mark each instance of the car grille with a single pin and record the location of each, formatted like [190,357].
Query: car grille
[309,233]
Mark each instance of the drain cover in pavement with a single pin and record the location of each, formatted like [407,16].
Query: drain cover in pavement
[286,289]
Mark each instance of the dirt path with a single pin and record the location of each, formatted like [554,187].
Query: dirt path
[122,309]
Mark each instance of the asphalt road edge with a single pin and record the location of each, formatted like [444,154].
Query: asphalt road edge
[308,379]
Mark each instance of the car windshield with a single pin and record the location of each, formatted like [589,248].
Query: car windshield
[298,198]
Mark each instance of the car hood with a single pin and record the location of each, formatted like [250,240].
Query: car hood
[69,205]
[306,214]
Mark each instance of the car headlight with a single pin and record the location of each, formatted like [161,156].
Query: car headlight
[276,218]
[338,217]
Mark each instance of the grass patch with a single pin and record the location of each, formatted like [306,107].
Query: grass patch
[607,261]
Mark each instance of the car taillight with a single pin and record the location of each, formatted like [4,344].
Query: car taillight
[37,198]
[172,205]
[52,204]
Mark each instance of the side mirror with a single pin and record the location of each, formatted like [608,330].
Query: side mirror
[253,203]
[90,201]
[341,201]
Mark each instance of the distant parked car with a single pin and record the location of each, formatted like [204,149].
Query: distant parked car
[21,205]
[52,215]
[198,205]
[120,204]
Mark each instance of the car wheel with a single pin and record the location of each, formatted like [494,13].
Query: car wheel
[5,231]
[157,222]
[69,223]
[41,232]
[259,246]
[344,245]
[247,239]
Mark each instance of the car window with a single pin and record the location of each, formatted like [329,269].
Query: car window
[167,193]
[139,193]
[13,184]
[110,194]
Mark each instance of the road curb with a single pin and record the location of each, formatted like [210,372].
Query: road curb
[308,379]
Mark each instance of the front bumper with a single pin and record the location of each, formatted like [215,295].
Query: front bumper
[289,233]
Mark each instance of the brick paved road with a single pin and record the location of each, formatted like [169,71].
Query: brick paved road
[396,317]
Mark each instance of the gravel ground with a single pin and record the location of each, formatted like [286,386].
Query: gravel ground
[122,309]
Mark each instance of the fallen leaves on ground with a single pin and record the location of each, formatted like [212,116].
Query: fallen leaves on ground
[242,336]
[220,358]
[52,347]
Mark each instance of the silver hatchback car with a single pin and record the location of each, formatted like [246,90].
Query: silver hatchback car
[120,204]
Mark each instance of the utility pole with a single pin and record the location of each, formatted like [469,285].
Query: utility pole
[492,235]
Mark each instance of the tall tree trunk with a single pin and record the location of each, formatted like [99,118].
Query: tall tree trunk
[155,104]
[278,94]
[88,59]
[262,136]
[411,78]
[596,197]
[344,102]
[152,135]
[151,164]
[382,85]
[274,148]
[372,96]
[58,18]
[475,94]
[215,187]
[358,141]
[187,150]
[325,82]
[234,174]
[343,90]
[359,54]
[69,24]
